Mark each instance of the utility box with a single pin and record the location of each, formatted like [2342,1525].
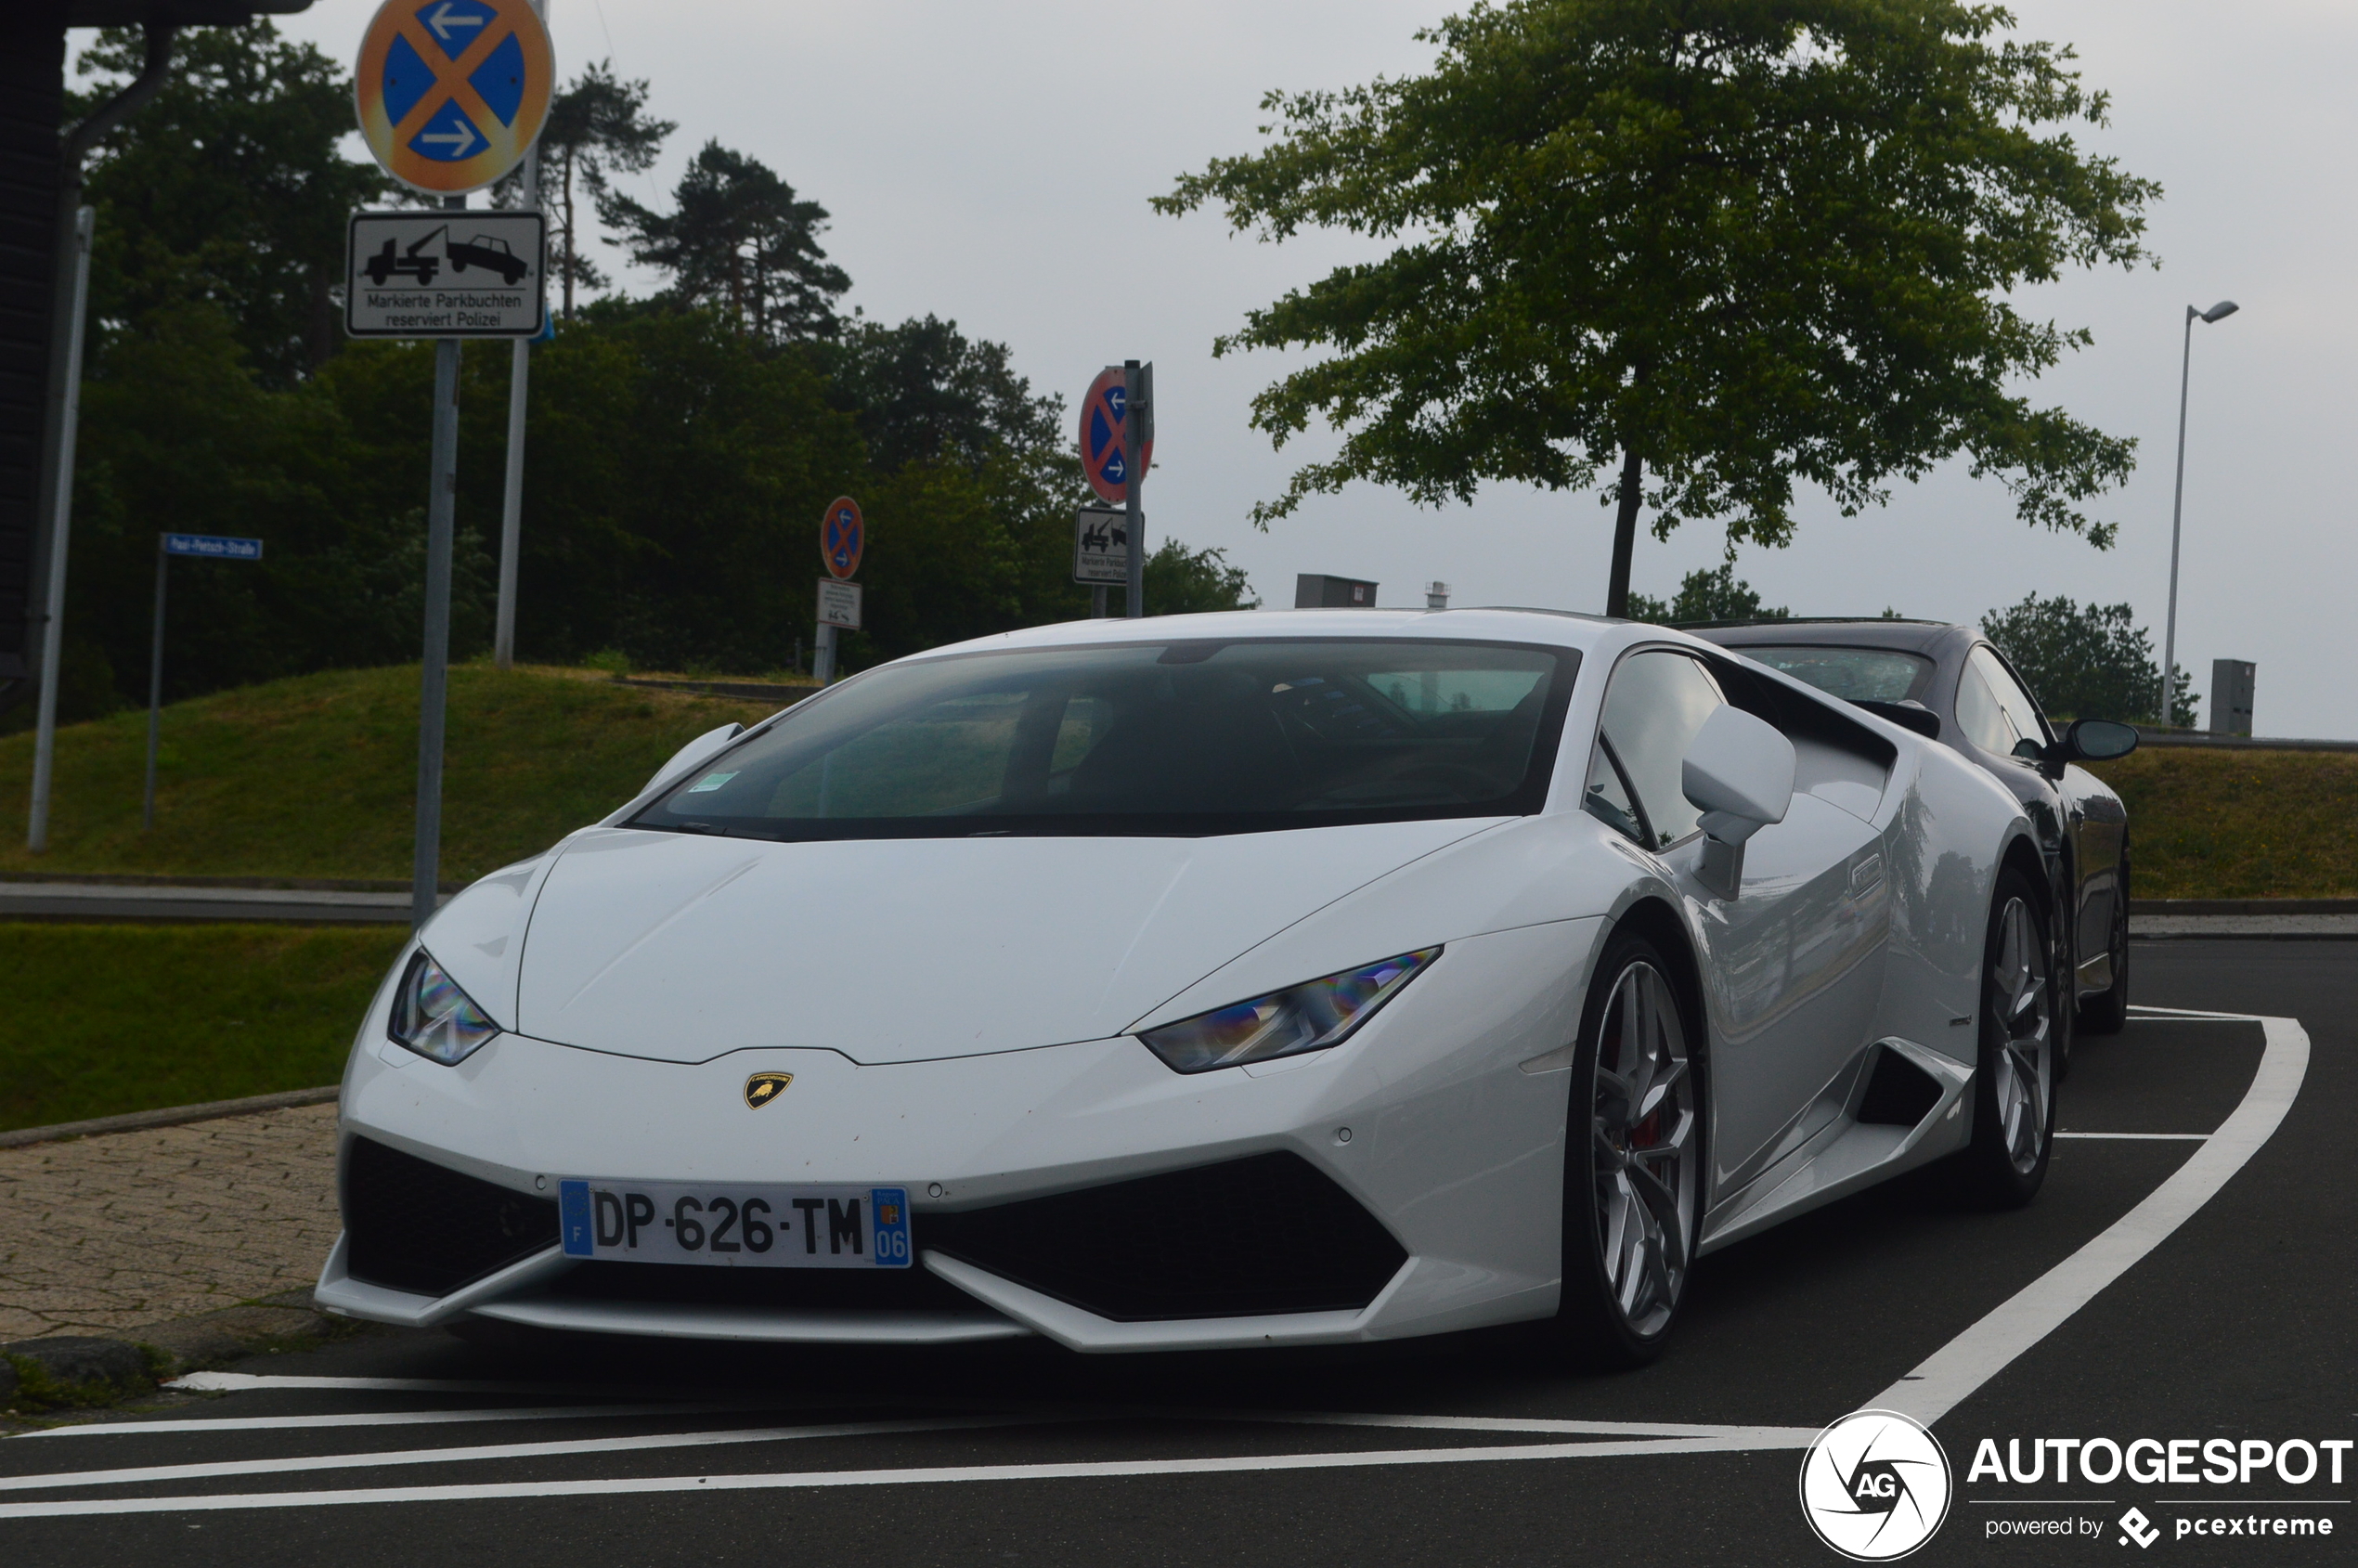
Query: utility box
[2231,683]
[1315,591]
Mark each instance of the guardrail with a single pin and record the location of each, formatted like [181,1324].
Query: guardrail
[2150,735]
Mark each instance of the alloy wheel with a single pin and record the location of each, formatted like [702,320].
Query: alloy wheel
[1643,1148]
[2023,1065]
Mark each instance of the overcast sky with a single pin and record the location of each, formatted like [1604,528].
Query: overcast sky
[991,163]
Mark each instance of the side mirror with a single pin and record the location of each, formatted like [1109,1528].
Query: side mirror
[2098,740]
[695,751]
[1739,770]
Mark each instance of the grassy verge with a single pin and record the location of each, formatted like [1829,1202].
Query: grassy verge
[315,776]
[2240,824]
[103,1019]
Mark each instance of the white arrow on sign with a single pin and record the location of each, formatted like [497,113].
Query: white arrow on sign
[442,21]
[460,140]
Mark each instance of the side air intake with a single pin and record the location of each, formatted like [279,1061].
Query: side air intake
[1899,1093]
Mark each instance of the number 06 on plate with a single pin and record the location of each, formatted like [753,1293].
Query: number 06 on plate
[736,1226]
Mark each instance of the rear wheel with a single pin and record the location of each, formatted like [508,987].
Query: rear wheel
[2104,1013]
[2014,1086]
[1632,1167]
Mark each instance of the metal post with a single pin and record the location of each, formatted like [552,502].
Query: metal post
[823,656]
[1134,482]
[1096,601]
[2177,510]
[503,638]
[60,520]
[155,691]
[441,501]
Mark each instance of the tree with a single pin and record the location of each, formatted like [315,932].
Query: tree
[1707,595]
[739,242]
[926,392]
[2086,662]
[1695,249]
[1186,583]
[230,189]
[597,124]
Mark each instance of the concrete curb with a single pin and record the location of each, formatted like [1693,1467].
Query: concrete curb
[2242,906]
[169,1116]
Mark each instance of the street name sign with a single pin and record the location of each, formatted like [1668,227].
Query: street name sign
[842,536]
[445,273]
[212,547]
[839,603]
[452,93]
[1101,454]
[1101,546]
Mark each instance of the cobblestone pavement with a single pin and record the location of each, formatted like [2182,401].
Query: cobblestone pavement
[125,1230]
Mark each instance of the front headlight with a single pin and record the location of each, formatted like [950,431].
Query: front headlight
[433,1017]
[1311,1017]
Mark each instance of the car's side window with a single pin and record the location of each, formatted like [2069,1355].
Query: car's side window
[1608,798]
[1657,701]
[1993,709]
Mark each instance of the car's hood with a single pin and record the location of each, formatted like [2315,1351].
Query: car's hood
[679,947]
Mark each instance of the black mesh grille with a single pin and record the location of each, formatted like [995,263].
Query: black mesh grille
[835,1290]
[415,1226]
[1263,1235]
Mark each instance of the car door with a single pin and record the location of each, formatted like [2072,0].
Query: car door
[1997,714]
[1792,964]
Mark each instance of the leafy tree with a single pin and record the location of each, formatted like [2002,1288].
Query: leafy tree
[1690,251]
[230,189]
[738,242]
[596,124]
[2090,662]
[1185,582]
[1707,595]
[926,392]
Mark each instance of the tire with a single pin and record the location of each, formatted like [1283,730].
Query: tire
[2014,1120]
[2105,1014]
[1633,1183]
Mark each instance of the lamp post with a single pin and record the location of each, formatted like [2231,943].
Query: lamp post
[2219,312]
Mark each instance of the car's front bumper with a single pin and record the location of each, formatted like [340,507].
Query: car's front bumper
[1452,1146]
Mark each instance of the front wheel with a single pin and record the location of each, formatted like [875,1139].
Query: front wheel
[2014,1123]
[2107,1011]
[1633,1165]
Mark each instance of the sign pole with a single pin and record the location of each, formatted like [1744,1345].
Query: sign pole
[45,743]
[441,501]
[504,640]
[155,692]
[1136,386]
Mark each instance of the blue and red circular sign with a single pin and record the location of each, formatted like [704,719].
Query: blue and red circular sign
[842,535]
[452,93]
[1101,453]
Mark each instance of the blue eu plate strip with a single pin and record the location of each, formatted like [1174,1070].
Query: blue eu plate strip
[892,1225]
[573,1208]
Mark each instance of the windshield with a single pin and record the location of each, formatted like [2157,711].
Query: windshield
[1179,738]
[1878,675]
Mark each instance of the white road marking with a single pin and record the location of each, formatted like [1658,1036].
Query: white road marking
[2144,1138]
[233,1382]
[2179,1014]
[1951,1373]
[1770,1437]
[145,1473]
[1085,1471]
[391,1419]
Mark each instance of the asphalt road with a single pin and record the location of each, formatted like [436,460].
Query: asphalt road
[2236,1325]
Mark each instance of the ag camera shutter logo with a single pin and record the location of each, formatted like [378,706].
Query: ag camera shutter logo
[1875,1485]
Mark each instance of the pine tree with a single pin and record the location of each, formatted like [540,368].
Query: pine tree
[738,242]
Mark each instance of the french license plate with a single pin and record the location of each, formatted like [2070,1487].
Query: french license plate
[736,1226]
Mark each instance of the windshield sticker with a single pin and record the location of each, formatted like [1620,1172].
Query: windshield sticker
[710,780]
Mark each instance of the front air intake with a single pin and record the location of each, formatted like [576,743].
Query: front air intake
[1268,1234]
[410,1224]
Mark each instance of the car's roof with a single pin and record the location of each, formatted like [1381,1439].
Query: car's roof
[1915,637]
[1549,628]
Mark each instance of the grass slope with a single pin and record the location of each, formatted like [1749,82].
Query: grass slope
[103,1019]
[315,776]
[2211,823]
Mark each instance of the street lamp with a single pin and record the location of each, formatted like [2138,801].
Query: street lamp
[2219,312]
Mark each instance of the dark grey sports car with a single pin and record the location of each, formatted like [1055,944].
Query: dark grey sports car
[1948,682]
